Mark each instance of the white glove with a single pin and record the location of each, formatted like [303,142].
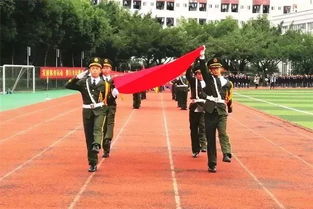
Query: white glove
[202,53]
[115,92]
[82,74]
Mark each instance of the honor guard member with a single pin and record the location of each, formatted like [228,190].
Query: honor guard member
[136,100]
[215,111]
[181,89]
[94,92]
[196,112]
[111,102]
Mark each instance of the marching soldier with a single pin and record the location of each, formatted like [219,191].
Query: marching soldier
[94,92]
[136,100]
[196,112]
[181,89]
[215,110]
[110,114]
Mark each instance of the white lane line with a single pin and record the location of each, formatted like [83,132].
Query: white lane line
[272,196]
[263,116]
[38,155]
[270,141]
[35,111]
[170,156]
[88,180]
[271,103]
[36,125]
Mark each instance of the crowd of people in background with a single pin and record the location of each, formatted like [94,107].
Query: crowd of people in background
[285,81]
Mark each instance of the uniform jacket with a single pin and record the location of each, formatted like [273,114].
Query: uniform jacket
[192,82]
[181,84]
[209,90]
[97,92]
[111,101]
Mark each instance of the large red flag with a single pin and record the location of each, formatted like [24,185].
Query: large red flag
[155,76]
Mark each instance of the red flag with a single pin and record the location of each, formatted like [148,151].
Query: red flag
[155,76]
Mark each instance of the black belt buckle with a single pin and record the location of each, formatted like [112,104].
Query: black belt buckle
[92,106]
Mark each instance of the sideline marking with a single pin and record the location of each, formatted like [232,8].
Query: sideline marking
[36,125]
[39,154]
[169,148]
[270,141]
[271,103]
[260,184]
[83,188]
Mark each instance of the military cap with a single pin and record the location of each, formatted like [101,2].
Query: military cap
[96,61]
[215,62]
[107,62]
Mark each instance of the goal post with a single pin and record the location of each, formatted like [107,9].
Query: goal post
[17,76]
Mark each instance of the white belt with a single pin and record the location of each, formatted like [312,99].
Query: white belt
[92,106]
[181,85]
[198,100]
[215,99]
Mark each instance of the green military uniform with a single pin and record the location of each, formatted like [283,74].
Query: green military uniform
[136,100]
[215,113]
[110,114]
[196,114]
[181,89]
[94,110]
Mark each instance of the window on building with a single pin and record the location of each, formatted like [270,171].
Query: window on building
[177,4]
[160,20]
[152,4]
[224,7]
[272,8]
[195,20]
[202,7]
[266,9]
[310,26]
[248,7]
[287,9]
[193,6]
[144,4]
[279,8]
[217,6]
[169,21]
[209,5]
[234,8]
[170,5]
[202,21]
[256,8]
[127,3]
[136,4]
[242,7]
[159,5]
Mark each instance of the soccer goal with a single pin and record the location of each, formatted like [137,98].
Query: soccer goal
[21,77]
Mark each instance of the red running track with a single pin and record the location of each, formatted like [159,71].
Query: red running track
[43,160]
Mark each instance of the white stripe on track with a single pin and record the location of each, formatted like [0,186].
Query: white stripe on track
[270,141]
[260,184]
[88,180]
[38,155]
[271,103]
[170,156]
[36,125]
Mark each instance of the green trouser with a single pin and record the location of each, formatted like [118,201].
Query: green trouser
[202,137]
[108,128]
[214,121]
[93,127]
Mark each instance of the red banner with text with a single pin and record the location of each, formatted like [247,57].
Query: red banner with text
[59,72]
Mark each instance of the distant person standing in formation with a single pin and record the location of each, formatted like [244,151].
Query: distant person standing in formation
[196,111]
[256,81]
[111,102]
[94,93]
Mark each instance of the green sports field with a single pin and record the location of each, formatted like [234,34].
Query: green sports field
[20,99]
[295,105]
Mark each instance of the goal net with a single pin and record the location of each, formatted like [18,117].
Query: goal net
[17,78]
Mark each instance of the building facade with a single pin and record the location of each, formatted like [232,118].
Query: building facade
[171,12]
